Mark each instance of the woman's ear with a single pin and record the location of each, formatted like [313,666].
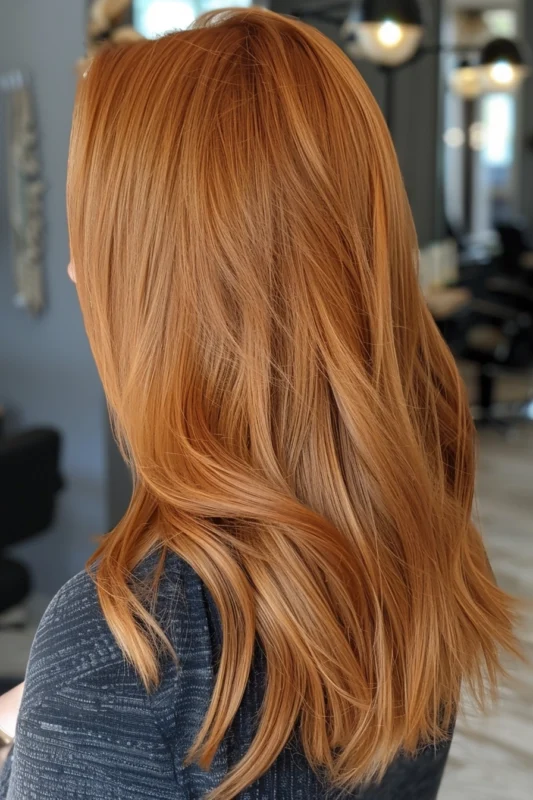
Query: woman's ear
[71,269]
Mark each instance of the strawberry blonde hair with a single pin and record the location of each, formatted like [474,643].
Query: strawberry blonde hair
[298,431]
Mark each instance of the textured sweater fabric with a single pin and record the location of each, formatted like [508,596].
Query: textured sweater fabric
[87,728]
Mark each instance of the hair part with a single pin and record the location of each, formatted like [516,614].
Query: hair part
[299,434]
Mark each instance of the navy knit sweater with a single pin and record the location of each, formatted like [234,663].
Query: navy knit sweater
[87,729]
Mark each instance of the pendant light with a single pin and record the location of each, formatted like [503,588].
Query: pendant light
[467,81]
[503,66]
[389,31]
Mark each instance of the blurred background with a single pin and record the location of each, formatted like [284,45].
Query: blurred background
[453,80]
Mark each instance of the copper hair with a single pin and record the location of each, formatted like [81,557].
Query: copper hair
[298,430]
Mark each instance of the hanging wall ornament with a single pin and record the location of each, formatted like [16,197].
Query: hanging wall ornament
[25,197]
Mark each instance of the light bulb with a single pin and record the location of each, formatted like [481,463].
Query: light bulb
[476,136]
[454,137]
[467,82]
[502,73]
[390,33]
[387,42]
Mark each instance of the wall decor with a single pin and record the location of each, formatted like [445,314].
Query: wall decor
[25,192]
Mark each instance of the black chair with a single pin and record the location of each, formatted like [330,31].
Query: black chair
[515,245]
[29,482]
[500,340]
[512,283]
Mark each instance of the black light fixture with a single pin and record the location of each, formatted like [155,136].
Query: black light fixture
[389,31]
[467,81]
[504,66]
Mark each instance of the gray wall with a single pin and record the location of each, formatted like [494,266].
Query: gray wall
[417,130]
[47,376]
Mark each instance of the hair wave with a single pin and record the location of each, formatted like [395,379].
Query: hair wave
[247,271]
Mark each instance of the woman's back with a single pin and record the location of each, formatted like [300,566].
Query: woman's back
[88,730]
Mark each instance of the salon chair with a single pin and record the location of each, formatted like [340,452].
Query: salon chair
[29,482]
[499,339]
[516,249]
[512,283]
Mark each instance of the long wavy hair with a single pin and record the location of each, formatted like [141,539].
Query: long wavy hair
[297,428]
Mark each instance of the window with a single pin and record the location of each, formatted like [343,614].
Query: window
[155,17]
[499,121]
[502,22]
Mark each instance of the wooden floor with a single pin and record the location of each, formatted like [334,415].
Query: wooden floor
[492,756]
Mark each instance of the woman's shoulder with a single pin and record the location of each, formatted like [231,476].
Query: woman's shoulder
[74,641]
[84,705]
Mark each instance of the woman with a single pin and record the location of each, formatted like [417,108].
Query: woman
[296,594]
